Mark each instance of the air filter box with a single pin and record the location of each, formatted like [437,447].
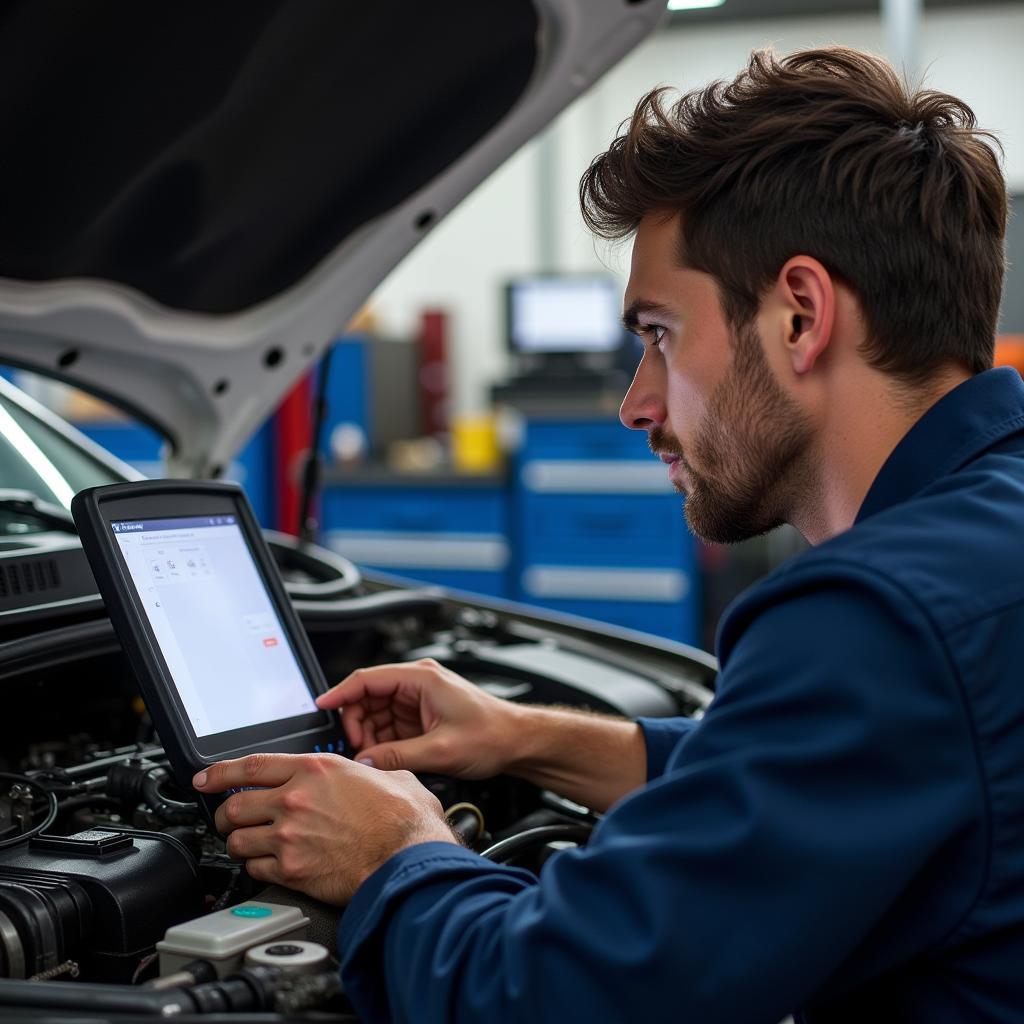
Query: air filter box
[101,898]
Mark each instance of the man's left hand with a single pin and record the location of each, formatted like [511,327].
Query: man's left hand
[319,823]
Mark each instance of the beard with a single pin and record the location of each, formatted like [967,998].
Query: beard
[752,448]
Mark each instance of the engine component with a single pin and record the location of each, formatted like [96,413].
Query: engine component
[323,918]
[292,957]
[222,938]
[89,898]
[198,972]
[466,820]
[16,809]
[514,846]
[253,989]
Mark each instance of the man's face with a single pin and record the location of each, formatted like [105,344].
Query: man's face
[735,443]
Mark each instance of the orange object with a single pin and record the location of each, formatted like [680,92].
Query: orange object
[1010,351]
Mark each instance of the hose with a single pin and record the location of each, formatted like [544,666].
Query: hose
[51,809]
[505,850]
[252,988]
[177,812]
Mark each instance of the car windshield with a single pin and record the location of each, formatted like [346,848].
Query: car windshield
[42,465]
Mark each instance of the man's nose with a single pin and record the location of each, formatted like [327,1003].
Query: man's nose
[644,405]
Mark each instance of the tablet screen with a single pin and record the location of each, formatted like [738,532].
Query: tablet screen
[218,632]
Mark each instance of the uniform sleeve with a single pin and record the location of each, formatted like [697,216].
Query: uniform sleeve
[832,765]
[661,737]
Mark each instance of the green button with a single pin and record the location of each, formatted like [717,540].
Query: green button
[252,911]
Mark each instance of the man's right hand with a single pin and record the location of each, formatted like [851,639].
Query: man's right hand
[420,716]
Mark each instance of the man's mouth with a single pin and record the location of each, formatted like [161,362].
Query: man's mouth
[668,457]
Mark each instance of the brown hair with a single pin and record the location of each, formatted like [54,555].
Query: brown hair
[825,153]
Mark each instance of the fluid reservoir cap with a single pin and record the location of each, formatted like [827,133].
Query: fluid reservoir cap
[247,910]
[294,957]
[93,843]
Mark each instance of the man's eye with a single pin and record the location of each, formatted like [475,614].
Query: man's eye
[654,334]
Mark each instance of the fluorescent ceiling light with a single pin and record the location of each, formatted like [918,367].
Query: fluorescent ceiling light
[693,5]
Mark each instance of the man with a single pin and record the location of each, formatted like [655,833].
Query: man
[816,271]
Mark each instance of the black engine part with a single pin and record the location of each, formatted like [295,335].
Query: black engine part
[97,900]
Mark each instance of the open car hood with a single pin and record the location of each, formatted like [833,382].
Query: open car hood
[198,197]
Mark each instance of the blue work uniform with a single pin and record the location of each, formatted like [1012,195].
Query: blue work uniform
[841,836]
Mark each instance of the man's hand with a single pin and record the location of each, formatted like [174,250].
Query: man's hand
[423,717]
[323,824]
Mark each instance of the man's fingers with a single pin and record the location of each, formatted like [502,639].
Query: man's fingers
[418,754]
[378,681]
[264,869]
[241,810]
[364,726]
[253,770]
[246,843]
[352,724]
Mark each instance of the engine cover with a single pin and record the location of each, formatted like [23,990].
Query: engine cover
[101,898]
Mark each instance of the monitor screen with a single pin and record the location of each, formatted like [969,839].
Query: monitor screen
[218,632]
[564,314]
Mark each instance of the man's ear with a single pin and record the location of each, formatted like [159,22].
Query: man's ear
[807,295]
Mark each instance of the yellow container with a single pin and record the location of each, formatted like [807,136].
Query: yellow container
[475,446]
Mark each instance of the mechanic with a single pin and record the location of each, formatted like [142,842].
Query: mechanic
[816,273]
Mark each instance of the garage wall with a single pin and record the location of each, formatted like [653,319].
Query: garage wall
[975,54]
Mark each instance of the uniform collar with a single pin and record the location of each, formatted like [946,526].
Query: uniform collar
[963,423]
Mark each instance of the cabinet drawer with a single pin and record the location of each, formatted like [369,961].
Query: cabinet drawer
[605,583]
[415,510]
[595,476]
[400,551]
[588,439]
[609,529]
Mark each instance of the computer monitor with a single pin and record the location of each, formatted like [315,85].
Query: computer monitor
[564,315]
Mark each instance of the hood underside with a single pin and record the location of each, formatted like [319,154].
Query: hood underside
[197,197]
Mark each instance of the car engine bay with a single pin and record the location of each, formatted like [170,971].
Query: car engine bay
[116,895]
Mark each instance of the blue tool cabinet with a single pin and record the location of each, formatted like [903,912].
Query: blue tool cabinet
[599,530]
[440,529]
[587,523]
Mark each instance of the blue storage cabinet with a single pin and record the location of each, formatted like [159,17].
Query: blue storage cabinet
[599,529]
[449,532]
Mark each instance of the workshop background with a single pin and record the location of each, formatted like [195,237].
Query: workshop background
[469,432]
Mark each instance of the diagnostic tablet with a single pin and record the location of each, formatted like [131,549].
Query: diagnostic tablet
[223,663]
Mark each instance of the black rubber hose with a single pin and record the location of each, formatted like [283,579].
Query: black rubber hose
[252,988]
[52,808]
[514,845]
[177,812]
[466,821]
[98,998]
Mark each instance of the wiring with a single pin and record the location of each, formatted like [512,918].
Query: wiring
[51,808]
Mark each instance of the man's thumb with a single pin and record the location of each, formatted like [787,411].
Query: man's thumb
[401,755]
